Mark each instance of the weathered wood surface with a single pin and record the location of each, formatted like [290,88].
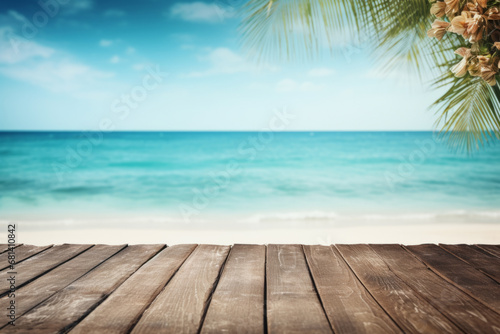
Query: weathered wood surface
[5,247]
[491,249]
[254,289]
[348,305]
[410,311]
[42,288]
[21,253]
[237,305]
[479,259]
[122,309]
[460,274]
[466,312]
[65,308]
[180,307]
[42,263]
[293,305]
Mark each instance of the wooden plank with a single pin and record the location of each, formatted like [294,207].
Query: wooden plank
[237,305]
[348,305]
[293,305]
[491,249]
[5,247]
[21,253]
[466,312]
[120,311]
[41,263]
[412,313]
[479,259]
[39,290]
[460,274]
[180,307]
[64,309]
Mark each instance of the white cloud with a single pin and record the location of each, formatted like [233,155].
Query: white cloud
[105,42]
[225,61]
[15,49]
[17,16]
[36,64]
[138,67]
[321,72]
[57,76]
[199,12]
[115,59]
[289,85]
[114,13]
[130,50]
[76,6]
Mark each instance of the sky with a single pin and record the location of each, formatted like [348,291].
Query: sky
[179,65]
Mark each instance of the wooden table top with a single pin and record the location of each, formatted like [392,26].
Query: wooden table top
[251,289]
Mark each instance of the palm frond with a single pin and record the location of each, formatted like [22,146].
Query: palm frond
[302,29]
[285,29]
[469,111]
[413,51]
[396,31]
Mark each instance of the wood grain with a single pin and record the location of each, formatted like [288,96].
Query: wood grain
[466,312]
[39,290]
[479,259]
[41,263]
[293,305]
[256,289]
[237,304]
[491,249]
[21,253]
[120,311]
[180,307]
[460,274]
[348,305]
[5,247]
[412,313]
[67,307]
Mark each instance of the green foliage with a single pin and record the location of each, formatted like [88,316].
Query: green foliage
[468,110]
[396,33]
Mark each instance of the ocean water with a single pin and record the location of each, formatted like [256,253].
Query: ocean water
[244,177]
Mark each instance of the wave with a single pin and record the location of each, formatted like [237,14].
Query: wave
[292,216]
[308,218]
[14,183]
[324,216]
[82,190]
[103,221]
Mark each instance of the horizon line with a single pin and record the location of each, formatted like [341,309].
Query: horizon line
[227,131]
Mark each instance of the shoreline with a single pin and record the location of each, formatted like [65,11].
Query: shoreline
[409,234]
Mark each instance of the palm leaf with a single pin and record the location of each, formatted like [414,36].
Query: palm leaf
[395,30]
[469,111]
[302,29]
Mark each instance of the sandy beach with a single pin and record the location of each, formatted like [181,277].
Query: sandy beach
[412,234]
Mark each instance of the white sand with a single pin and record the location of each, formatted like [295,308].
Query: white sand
[413,234]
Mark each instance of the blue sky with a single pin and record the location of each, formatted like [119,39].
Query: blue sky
[70,64]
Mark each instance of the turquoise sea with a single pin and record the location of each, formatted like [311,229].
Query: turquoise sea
[244,176]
